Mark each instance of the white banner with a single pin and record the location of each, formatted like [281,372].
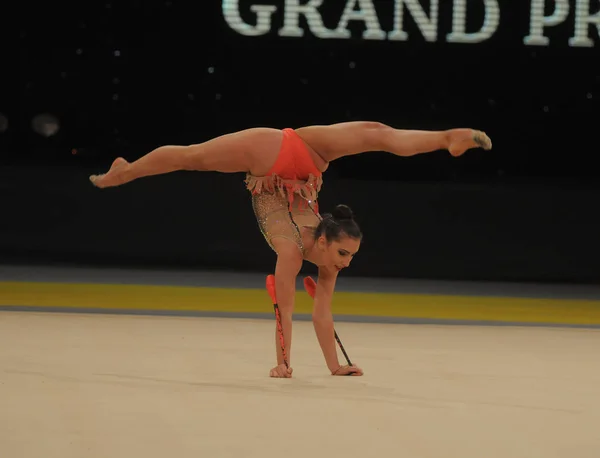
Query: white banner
[580,17]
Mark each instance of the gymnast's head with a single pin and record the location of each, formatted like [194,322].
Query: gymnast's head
[338,236]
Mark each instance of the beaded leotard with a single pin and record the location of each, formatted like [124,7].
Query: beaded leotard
[285,199]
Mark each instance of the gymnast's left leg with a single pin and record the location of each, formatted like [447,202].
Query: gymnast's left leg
[343,139]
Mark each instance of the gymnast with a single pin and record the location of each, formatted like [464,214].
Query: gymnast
[284,170]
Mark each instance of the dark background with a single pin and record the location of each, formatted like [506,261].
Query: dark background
[126,77]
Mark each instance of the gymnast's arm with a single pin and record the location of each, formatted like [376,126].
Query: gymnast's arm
[322,317]
[289,263]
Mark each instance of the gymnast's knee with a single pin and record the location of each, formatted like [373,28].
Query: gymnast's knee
[374,126]
[375,135]
[192,158]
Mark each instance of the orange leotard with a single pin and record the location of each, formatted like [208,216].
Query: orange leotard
[285,199]
[294,161]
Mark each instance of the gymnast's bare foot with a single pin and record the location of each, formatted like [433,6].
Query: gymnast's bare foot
[460,140]
[113,176]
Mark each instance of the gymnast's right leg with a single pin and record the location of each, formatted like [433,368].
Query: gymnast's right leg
[251,150]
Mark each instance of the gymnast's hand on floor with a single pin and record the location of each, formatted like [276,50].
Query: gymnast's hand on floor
[281,372]
[348,370]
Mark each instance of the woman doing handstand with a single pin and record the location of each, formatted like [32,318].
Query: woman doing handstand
[284,171]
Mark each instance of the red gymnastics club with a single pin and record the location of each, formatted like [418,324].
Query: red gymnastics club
[272,293]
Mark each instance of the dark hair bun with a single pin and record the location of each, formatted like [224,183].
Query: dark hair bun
[337,224]
[342,212]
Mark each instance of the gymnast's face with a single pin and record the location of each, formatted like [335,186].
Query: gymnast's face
[338,254]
